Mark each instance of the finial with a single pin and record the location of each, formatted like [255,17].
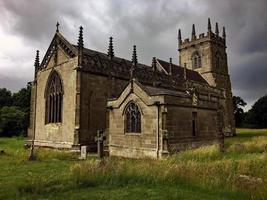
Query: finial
[170,67]
[134,57]
[216,29]
[179,36]
[36,63]
[193,32]
[80,40]
[134,62]
[110,48]
[184,71]
[154,64]
[209,26]
[57,25]
[223,34]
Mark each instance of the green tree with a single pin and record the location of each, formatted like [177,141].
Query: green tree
[22,98]
[12,121]
[258,113]
[238,103]
[5,97]
[14,111]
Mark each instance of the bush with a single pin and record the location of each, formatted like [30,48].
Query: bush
[14,111]
[12,121]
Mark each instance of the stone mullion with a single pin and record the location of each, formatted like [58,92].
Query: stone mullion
[57,119]
[56,113]
[54,108]
[50,108]
[60,107]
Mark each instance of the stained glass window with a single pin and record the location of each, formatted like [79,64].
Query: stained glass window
[54,99]
[132,119]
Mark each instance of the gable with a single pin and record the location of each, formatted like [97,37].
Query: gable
[133,88]
[59,47]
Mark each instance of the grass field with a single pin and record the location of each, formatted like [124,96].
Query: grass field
[204,173]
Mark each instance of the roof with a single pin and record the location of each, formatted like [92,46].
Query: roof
[156,91]
[178,72]
[99,63]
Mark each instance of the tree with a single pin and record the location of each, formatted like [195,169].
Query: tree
[12,121]
[5,97]
[14,111]
[22,97]
[258,113]
[238,103]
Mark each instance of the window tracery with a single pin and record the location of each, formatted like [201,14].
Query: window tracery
[196,60]
[54,99]
[132,119]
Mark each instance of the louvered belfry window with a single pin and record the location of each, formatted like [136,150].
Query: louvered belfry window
[196,60]
[132,119]
[54,99]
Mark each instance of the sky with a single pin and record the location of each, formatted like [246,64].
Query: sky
[28,25]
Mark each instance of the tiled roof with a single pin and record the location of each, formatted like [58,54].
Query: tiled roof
[154,91]
[100,63]
[178,72]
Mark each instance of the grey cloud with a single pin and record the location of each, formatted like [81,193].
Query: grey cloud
[151,25]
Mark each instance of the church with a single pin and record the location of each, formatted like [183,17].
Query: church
[143,111]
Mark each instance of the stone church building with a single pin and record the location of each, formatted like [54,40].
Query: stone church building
[144,111]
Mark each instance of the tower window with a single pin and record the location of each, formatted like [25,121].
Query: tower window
[54,99]
[132,119]
[196,60]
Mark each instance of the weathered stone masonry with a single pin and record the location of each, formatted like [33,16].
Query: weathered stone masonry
[180,104]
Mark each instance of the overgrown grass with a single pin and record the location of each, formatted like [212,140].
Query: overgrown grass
[203,173]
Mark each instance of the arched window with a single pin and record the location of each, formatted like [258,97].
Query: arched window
[196,60]
[54,99]
[132,119]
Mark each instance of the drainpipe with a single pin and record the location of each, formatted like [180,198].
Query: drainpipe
[157,103]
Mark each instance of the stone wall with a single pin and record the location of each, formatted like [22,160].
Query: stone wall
[95,90]
[136,145]
[217,76]
[58,135]
[179,126]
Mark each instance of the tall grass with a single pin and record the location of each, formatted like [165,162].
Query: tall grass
[205,167]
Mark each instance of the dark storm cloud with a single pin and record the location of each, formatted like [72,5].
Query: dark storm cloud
[151,25]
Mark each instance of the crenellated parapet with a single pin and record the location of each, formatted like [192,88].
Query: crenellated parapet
[210,36]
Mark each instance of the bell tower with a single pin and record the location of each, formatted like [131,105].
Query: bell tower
[207,55]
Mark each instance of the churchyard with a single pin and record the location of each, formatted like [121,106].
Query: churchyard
[205,173]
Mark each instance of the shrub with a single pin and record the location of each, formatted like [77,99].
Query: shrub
[11,121]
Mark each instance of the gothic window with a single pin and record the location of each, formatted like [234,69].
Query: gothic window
[54,99]
[196,60]
[132,119]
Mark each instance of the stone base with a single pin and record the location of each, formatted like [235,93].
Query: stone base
[53,144]
[132,152]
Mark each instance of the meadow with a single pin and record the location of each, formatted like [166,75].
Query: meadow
[205,173]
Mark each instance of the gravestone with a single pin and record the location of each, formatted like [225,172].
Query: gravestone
[83,152]
[100,141]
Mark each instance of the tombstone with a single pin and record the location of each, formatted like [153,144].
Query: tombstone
[83,152]
[100,143]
